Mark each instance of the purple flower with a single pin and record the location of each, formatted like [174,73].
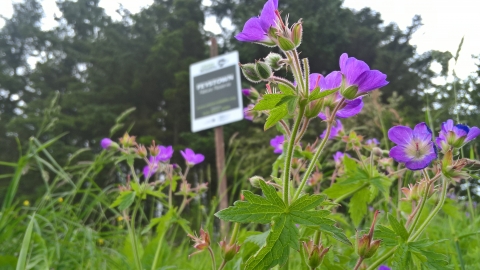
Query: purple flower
[372,142]
[106,143]
[151,168]
[336,130]
[248,112]
[455,135]
[256,28]
[191,158]
[350,107]
[164,153]
[359,79]
[338,157]
[383,267]
[246,92]
[277,144]
[414,147]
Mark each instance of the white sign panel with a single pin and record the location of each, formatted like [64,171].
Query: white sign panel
[215,92]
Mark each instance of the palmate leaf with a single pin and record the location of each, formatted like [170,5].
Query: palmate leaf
[270,101]
[283,236]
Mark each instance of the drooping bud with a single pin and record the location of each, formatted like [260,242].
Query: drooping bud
[250,73]
[255,181]
[264,71]
[107,143]
[274,60]
[285,44]
[297,32]
[314,254]
[228,251]
[377,152]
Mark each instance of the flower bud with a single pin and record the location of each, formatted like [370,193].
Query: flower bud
[250,73]
[141,151]
[107,143]
[366,246]
[274,60]
[377,152]
[297,32]
[314,254]
[264,71]
[374,245]
[313,108]
[285,44]
[228,251]
[202,242]
[349,92]
[255,181]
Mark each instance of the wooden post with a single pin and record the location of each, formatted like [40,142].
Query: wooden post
[220,157]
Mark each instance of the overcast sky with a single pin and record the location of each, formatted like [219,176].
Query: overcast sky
[445,21]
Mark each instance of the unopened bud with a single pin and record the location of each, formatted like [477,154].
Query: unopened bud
[264,71]
[314,254]
[228,251]
[285,44]
[154,150]
[349,92]
[127,141]
[374,245]
[377,152]
[313,108]
[297,32]
[255,181]
[250,73]
[274,60]
[141,151]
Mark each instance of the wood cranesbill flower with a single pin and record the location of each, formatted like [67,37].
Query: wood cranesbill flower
[277,144]
[164,153]
[358,78]
[350,107]
[338,157]
[455,135]
[256,28]
[372,142]
[191,158]
[248,112]
[414,147]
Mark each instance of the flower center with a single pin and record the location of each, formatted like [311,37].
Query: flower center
[417,149]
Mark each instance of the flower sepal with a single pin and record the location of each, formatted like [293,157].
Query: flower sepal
[250,72]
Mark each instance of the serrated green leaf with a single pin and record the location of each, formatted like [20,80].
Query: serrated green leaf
[123,199]
[398,227]
[329,228]
[286,89]
[283,236]
[276,115]
[339,189]
[310,218]
[269,101]
[357,207]
[350,164]
[316,94]
[286,99]
[307,202]
[291,106]
[389,238]
[258,239]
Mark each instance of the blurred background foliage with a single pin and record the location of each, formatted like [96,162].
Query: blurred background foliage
[99,68]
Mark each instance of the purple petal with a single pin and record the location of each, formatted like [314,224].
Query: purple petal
[267,17]
[447,126]
[105,143]
[472,134]
[415,165]
[331,81]
[371,80]
[199,158]
[322,116]
[252,31]
[422,128]
[398,153]
[314,80]
[343,60]
[352,108]
[384,267]
[353,68]
[400,135]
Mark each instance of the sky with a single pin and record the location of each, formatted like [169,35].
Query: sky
[445,22]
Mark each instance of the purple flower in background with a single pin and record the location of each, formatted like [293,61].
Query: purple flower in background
[256,28]
[277,144]
[106,143]
[414,147]
[164,153]
[350,108]
[383,267]
[248,112]
[372,142]
[336,129]
[151,168]
[246,92]
[191,158]
[358,74]
[455,135]
[338,157]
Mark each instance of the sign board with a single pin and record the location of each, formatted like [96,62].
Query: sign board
[215,92]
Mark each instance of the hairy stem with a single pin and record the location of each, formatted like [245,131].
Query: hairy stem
[417,212]
[214,264]
[380,260]
[359,262]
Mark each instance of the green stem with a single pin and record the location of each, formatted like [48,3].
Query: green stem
[306,76]
[157,252]
[359,262]
[289,156]
[236,229]
[133,238]
[380,260]
[422,203]
[433,213]
[296,69]
[214,264]
[311,166]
